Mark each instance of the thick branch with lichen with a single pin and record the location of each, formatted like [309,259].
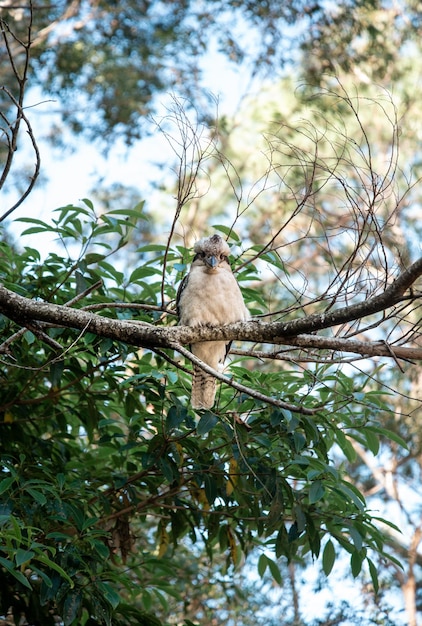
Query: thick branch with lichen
[26,311]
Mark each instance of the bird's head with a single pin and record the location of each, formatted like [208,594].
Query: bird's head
[212,251]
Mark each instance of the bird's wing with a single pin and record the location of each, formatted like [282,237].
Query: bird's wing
[179,293]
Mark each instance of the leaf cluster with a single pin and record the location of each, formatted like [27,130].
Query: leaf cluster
[107,473]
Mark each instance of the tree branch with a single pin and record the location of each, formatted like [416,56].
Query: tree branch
[337,344]
[24,310]
[242,388]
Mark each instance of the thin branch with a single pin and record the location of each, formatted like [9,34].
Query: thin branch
[15,125]
[36,172]
[34,328]
[190,153]
[337,344]
[253,393]
[136,306]
[83,294]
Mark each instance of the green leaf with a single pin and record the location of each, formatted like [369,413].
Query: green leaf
[328,557]
[316,492]
[143,272]
[37,495]
[22,556]
[136,212]
[16,528]
[282,542]
[101,548]
[300,517]
[59,537]
[294,532]
[33,220]
[108,593]
[29,337]
[351,493]
[8,565]
[88,203]
[68,211]
[299,441]
[386,522]
[275,571]
[273,258]
[389,435]
[71,606]
[175,417]
[32,253]
[374,574]
[33,230]
[152,247]
[262,564]
[346,446]
[206,423]
[56,371]
[169,469]
[146,599]
[313,536]
[46,579]
[210,487]
[93,258]
[46,561]
[229,232]
[372,441]
[356,537]
[6,483]
[356,563]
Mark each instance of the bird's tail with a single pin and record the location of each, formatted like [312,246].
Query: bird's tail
[203,389]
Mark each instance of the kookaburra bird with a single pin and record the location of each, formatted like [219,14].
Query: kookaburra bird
[209,296]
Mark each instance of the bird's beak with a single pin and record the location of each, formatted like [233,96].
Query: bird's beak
[211,261]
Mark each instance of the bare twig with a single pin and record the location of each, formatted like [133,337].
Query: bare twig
[12,131]
[253,393]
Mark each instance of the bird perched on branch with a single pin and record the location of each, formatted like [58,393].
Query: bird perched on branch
[209,296]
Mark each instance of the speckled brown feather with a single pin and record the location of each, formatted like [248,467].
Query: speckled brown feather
[203,389]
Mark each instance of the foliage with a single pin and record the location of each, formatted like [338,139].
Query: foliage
[106,470]
[345,218]
[118,503]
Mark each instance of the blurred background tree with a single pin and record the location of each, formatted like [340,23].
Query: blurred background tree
[106,63]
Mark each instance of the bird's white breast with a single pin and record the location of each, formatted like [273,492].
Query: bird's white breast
[211,298]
